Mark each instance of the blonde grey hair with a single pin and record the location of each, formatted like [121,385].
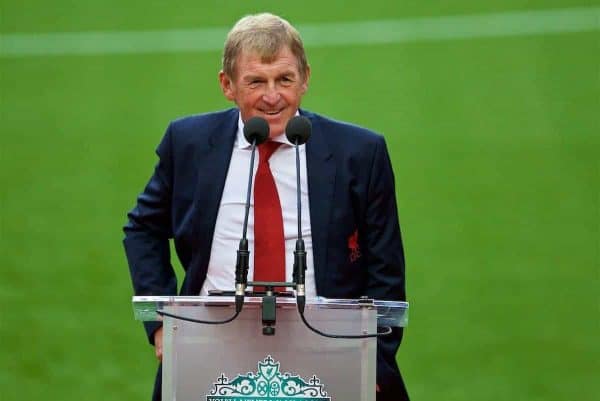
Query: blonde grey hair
[265,35]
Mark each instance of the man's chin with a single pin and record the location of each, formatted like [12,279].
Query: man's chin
[277,124]
[276,130]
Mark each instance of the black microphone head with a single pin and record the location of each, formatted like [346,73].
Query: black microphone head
[298,130]
[256,129]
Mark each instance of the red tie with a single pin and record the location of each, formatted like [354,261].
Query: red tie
[269,248]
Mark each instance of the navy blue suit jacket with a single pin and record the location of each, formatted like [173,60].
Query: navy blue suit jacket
[351,190]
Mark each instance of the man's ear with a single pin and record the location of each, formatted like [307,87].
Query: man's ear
[226,86]
[306,79]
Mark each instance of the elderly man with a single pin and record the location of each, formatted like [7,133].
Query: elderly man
[196,194]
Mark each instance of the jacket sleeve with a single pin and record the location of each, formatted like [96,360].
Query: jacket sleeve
[148,231]
[385,258]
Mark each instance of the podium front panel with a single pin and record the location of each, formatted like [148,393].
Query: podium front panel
[235,361]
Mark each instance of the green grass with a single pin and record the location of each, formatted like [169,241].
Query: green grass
[495,146]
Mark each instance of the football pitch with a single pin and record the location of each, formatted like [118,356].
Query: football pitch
[490,110]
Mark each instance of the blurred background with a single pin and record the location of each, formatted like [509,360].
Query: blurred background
[494,136]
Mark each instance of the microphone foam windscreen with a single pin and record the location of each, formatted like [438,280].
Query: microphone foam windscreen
[256,129]
[298,130]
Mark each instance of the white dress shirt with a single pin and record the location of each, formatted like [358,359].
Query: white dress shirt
[230,218]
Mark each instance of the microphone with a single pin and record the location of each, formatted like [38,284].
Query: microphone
[298,131]
[256,131]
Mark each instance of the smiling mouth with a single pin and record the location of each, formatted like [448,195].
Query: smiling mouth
[272,112]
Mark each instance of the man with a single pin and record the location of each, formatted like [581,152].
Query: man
[196,195]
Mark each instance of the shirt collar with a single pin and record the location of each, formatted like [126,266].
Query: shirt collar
[242,143]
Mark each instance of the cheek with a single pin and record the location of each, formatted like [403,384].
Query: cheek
[293,96]
[249,99]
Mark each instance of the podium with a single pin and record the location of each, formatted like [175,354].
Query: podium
[236,362]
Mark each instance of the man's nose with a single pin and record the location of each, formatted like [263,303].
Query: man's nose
[271,95]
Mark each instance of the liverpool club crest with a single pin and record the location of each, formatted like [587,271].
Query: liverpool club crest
[268,383]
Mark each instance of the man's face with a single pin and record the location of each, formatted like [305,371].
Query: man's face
[269,90]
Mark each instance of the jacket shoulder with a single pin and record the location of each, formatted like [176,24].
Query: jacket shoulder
[340,132]
[205,122]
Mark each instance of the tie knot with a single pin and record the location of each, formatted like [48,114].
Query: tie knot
[266,149]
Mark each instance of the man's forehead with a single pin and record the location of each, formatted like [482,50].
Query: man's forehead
[253,62]
[266,57]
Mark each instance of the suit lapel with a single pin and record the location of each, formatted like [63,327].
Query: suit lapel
[212,165]
[321,182]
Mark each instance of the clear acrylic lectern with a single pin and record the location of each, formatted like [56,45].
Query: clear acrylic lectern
[236,362]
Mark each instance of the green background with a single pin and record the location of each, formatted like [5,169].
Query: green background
[495,144]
